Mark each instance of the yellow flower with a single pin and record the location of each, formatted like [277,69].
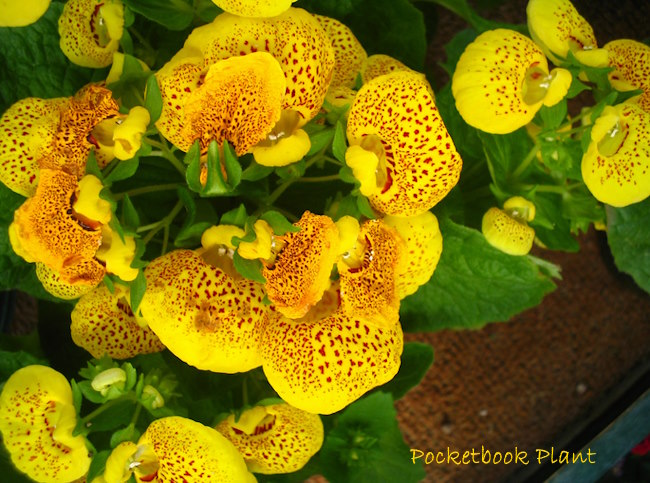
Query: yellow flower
[394,116]
[53,284]
[103,323]
[261,246]
[322,365]
[254,8]
[297,278]
[502,80]
[221,235]
[118,465]
[201,313]
[300,48]
[258,430]
[120,136]
[117,68]
[20,14]
[117,254]
[91,30]
[616,166]
[380,64]
[88,203]
[423,240]
[507,229]
[557,27]
[37,418]
[48,229]
[49,133]
[631,62]
[285,144]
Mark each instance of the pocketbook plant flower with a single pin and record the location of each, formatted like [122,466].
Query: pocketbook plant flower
[631,62]
[502,80]
[400,150]
[37,418]
[254,8]
[508,229]
[616,166]
[20,14]
[274,439]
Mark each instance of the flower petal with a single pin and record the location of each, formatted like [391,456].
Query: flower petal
[189,451]
[37,418]
[203,315]
[507,234]
[423,240]
[300,434]
[103,323]
[489,80]
[421,161]
[25,128]
[380,64]
[117,254]
[301,272]
[622,178]
[91,30]
[20,14]
[53,284]
[254,8]
[322,366]
[631,62]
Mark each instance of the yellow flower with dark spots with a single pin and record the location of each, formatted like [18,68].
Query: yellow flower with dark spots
[254,8]
[408,150]
[380,64]
[258,430]
[37,419]
[507,229]
[631,62]
[502,80]
[53,284]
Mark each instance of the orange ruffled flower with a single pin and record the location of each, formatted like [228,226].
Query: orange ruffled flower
[616,166]
[294,39]
[205,316]
[257,431]
[91,30]
[50,133]
[400,149]
[37,418]
[631,62]
[103,323]
[502,80]
[300,274]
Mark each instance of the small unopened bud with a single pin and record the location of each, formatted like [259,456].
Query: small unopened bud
[103,381]
[151,392]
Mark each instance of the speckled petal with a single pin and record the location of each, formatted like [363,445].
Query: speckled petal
[203,315]
[37,418]
[25,128]
[423,240]
[322,366]
[555,24]
[369,291]
[489,80]
[507,234]
[282,441]
[20,14]
[631,62]
[349,54]
[294,39]
[103,323]
[380,64]
[254,8]
[189,451]
[91,30]
[422,164]
[67,291]
[48,231]
[624,177]
[300,274]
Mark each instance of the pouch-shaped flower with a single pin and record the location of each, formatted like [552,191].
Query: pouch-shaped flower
[37,418]
[20,14]
[254,8]
[507,229]
[631,62]
[274,439]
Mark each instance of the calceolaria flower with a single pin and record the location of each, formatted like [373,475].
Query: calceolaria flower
[257,431]
[177,449]
[400,150]
[631,62]
[380,64]
[37,419]
[558,28]
[204,315]
[91,30]
[254,8]
[103,323]
[502,80]
[508,229]
[20,14]
[120,136]
[616,166]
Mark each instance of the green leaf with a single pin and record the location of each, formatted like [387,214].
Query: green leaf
[153,99]
[320,141]
[98,465]
[364,207]
[172,14]
[130,433]
[250,269]
[33,65]
[77,396]
[232,165]
[279,222]
[256,172]
[193,172]
[236,217]
[137,289]
[92,167]
[416,361]
[552,228]
[576,88]
[11,361]
[332,8]
[504,153]
[366,445]
[347,175]
[455,48]
[123,170]
[628,235]
[206,10]
[130,217]
[474,284]
[339,145]
[553,116]
[292,171]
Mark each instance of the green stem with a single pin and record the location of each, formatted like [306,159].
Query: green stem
[318,179]
[573,120]
[284,186]
[157,226]
[136,414]
[526,162]
[572,131]
[104,407]
[560,189]
[166,153]
[147,189]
